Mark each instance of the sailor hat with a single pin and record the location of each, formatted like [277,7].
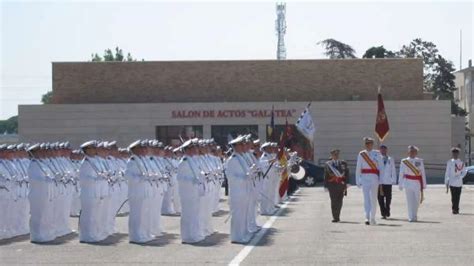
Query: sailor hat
[413,148]
[187,144]
[89,144]
[21,146]
[11,147]
[368,140]
[237,140]
[3,147]
[274,144]
[111,144]
[265,145]
[256,142]
[34,147]
[178,149]
[135,144]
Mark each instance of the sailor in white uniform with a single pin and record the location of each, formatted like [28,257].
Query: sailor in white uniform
[191,189]
[267,161]
[412,178]
[388,179]
[94,196]
[453,178]
[43,190]
[76,158]
[368,171]
[239,179]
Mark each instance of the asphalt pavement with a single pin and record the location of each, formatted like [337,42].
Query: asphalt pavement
[300,234]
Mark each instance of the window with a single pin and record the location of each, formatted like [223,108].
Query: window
[173,134]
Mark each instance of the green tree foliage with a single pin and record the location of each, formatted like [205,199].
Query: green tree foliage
[336,49]
[110,56]
[379,52]
[47,97]
[437,74]
[10,126]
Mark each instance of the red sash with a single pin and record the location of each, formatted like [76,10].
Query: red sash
[373,166]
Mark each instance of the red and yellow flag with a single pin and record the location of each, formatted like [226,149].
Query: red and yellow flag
[284,182]
[381,123]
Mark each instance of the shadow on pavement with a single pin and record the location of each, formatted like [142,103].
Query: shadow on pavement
[220,213]
[15,239]
[267,239]
[160,241]
[60,240]
[285,212]
[348,222]
[466,214]
[212,240]
[389,225]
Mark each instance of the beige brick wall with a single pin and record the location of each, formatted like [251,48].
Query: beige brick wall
[427,124]
[236,81]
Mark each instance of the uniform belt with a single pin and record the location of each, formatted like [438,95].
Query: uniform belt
[336,179]
[416,177]
[370,171]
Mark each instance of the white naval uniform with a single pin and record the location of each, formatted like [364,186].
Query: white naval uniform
[42,196]
[255,193]
[205,212]
[141,193]
[389,174]
[455,173]
[23,205]
[412,187]
[369,182]
[175,186]
[76,193]
[167,207]
[7,198]
[94,194]
[191,189]
[239,181]
[267,204]
[159,188]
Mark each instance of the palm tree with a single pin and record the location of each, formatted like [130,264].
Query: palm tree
[337,50]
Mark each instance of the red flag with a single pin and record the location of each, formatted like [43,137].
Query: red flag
[284,182]
[381,123]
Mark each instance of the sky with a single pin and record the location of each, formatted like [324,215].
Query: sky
[34,34]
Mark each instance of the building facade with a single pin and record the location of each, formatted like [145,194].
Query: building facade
[177,100]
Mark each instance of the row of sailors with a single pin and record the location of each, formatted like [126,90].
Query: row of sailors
[51,182]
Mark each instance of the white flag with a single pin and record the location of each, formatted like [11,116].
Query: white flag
[305,124]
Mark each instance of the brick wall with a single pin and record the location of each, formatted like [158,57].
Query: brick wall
[236,81]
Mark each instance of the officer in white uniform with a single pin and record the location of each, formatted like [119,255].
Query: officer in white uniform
[191,189]
[42,196]
[94,192]
[142,189]
[368,171]
[238,176]
[7,195]
[412,178]
[387,179]
[453,178]
[267,206]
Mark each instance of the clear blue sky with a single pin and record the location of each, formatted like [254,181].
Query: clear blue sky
[35,34]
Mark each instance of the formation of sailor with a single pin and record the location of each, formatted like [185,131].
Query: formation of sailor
[14,186]
[269,194]
[369,169]
[388,178]
[455,173]
[412,179]
[336,176]
[53,180]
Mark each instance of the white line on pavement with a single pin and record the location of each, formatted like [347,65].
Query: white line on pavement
[248,247]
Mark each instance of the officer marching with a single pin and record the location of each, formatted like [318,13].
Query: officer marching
[336,174]
[455,173]
[368,171]
[412,178]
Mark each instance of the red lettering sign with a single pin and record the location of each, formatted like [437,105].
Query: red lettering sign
[252,113]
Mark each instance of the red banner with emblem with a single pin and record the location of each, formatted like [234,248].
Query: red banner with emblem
[381,123]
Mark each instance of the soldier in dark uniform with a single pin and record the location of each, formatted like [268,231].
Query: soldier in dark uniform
[336,176]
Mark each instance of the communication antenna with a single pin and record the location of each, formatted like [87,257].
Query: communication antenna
[460,49]
[280,27]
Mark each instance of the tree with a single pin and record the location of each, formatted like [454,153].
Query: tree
[47,97]
[110,56]
[437,71]
[379,52]
[336,49]
[9,126]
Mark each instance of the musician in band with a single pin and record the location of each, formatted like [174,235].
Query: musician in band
[336,176]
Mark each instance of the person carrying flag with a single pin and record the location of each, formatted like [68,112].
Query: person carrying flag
[368,171]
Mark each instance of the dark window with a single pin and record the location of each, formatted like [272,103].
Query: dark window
[174,134]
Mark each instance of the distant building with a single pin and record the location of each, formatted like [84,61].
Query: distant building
[165,100]
[464,96]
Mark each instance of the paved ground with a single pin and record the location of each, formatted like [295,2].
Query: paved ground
[301,234]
